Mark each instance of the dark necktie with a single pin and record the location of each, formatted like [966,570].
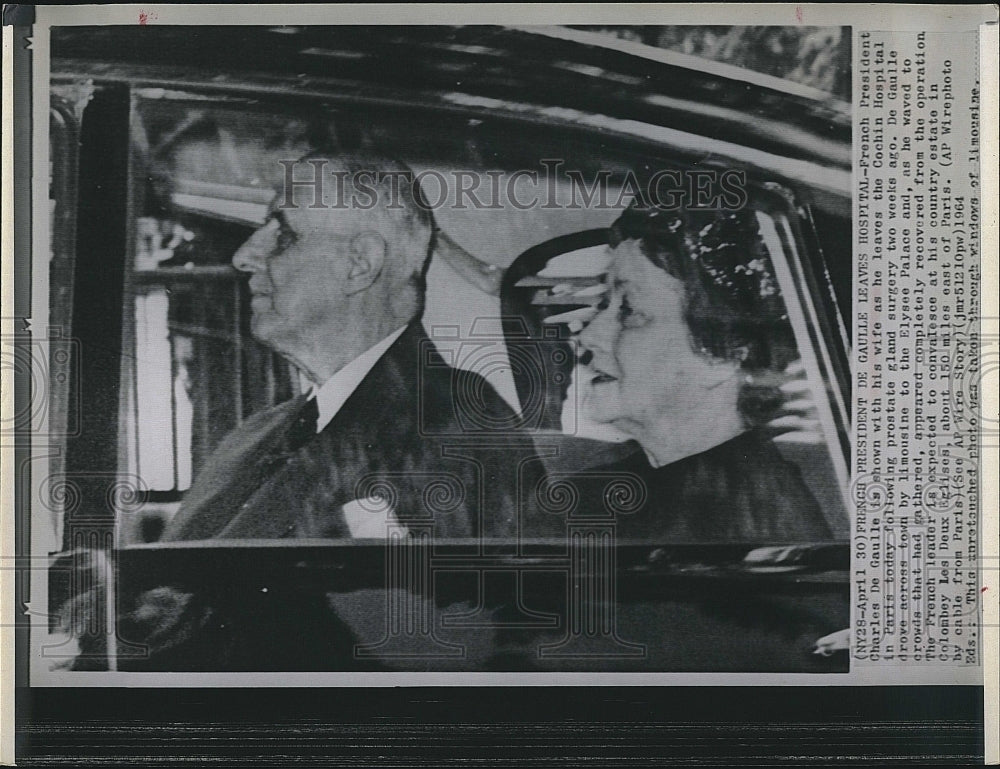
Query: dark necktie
[303,429]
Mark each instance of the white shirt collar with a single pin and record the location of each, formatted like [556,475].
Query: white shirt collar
[332,395]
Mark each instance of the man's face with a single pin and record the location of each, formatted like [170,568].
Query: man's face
[297,267]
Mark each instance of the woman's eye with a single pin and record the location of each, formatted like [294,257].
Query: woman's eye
[628,316]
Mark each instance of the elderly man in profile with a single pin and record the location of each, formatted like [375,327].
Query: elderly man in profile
[385,439]
[336,277]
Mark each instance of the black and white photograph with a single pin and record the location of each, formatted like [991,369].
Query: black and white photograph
[378,349]
[528,355]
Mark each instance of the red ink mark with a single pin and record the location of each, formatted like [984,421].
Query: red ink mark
[984,590]
[798,13]
[143,17]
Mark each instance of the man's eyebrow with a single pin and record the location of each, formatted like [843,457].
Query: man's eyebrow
[277,215]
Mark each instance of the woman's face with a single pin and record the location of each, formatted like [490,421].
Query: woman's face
[644,372]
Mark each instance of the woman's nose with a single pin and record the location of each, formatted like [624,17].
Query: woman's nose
[597,335]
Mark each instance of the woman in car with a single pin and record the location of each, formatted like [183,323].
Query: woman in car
[685,356]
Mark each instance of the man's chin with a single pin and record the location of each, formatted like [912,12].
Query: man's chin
[262,330]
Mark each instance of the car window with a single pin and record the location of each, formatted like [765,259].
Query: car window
[202,174]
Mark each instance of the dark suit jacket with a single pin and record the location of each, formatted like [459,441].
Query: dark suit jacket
[438,442]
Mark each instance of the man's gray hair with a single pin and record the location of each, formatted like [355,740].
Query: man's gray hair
[378,183]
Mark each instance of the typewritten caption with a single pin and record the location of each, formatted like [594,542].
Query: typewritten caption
[915,557]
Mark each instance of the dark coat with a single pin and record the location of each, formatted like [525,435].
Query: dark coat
[437,441]
[742,490]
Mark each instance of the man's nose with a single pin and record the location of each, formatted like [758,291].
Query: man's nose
[251,255]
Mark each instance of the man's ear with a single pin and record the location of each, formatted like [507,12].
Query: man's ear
[367,256]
